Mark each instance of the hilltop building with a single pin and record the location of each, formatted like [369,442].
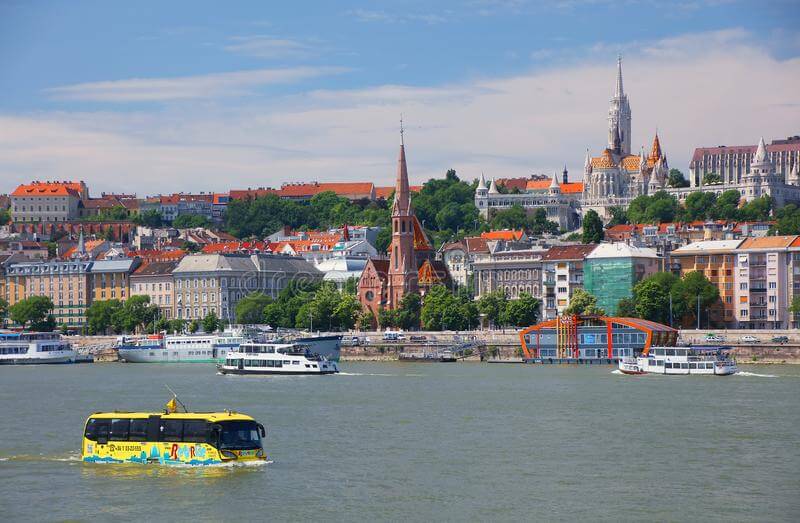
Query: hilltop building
[753,170]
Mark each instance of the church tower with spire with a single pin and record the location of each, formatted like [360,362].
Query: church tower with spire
[402,273]
[619,118]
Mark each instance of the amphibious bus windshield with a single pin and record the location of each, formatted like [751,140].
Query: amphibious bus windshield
[240,435]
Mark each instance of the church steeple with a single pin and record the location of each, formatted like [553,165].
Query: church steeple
[402,277]
[620,92]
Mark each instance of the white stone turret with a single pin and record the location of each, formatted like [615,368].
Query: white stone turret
[482,182]
[493,188]
[555,188]
[793,178]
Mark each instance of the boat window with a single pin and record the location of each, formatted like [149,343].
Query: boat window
[670,352]
[195,431]
[659,352]
[684,365]
[239,435]
[667,365]
[171,430]
[693,365]
[97,428]
[119,429]
[138,430]
[295,363]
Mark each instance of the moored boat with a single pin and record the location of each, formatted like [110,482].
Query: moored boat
[276,358]
[195,348]
[677,361]
[34,348]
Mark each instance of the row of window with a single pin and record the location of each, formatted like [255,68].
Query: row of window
[136,429]
[14,350]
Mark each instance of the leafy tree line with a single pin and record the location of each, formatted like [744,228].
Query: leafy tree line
[662,207]
[34,313]
[318,306]
[652,297]
[516,217]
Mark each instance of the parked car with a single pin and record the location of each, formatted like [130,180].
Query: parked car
[780,339]
[354,341]
[749,338]
[714,338]
[418,338]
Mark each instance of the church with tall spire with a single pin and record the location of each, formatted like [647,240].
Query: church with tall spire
[617,176]
[409,266]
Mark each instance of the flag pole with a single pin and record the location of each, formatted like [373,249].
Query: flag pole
[176,398]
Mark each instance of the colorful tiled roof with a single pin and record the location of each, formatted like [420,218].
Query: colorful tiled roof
[568,252]
[572,188]
[49,189]
[502,235]
[767,242]
[604,161]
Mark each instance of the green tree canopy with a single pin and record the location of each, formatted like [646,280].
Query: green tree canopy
[190,221]
[443,310]
[677,179]
[492,305]
[34,313]
[250,309]
[149,218]
[521,312]
[592,228]
[583,302]
[698,205]
[103,315]
[211,322]
[787,220]
[659,208]
[651,298]
[712,179]
[693,286]
[3,312]
[619,216]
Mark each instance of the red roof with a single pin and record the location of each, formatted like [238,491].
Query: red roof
[572,187]
[502,235]
[568,252]
[49,189]
[353,190]
[242,194]
[742,149]
[535,185]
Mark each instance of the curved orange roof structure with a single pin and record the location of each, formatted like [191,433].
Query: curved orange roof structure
[656,333]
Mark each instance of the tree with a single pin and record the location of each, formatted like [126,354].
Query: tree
[250,309]
[583,303]
[5,217]
[522,312]
[190,221]
[408,314]
[136,312]
[677,179]
[512,218]
[592,227]
[177,326]
[3,312]
[787,220]
[727,206]
[756,210]
[443,310]
[365,320]
[794,309]
[698,205]
[383,239]
[618,216]
[347,311]
[626,308]
[538,224]
[661,207]
[695,286]
[194,326]
[492,305]
[211,322]
[712,179]
[148,218]
[34,313]
[651,297]
[101,315]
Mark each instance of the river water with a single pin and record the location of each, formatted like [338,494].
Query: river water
[391,441]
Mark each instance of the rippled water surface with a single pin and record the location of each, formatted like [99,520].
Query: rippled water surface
[387,441]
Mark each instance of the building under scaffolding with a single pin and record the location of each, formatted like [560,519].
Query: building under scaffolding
[592,338]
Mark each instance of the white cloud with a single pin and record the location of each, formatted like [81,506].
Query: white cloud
[261,46]
[235,83]
[699,90]
[366,15]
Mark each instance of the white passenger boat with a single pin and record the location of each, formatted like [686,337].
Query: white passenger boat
[195,348]
[276,358]
[713,361]
[34,348]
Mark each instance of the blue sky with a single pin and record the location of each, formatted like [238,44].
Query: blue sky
[162,96]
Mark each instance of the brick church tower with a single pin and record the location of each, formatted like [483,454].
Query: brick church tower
[402,273]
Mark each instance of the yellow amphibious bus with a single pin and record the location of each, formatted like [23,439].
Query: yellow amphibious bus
[172,438]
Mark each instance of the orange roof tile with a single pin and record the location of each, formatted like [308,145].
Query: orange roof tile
[536,185]
[604,161]
[631,163]
[572,188]
[49,189]
[768,242]
[384,192]
[502,235]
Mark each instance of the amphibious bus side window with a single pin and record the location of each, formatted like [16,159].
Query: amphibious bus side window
[119,429]
[195,431]
[171,430]
[97,429]
[138,430]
